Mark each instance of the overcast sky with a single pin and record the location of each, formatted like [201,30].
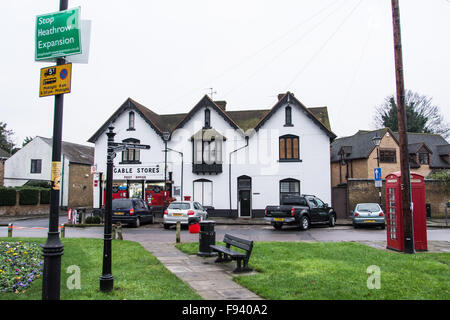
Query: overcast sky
[166,54]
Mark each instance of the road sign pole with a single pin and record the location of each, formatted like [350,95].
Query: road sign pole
[53,249]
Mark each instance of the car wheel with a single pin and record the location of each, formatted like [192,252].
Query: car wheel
[332,222]
[166,226]
[383,227]
[304,223]
[152,220]
[278,226]
[137,223]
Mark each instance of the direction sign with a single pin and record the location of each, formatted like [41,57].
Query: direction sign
[123,146]
[58,34]
[55,80]
[377,177]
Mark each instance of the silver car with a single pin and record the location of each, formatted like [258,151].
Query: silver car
[368,214]
[182,211]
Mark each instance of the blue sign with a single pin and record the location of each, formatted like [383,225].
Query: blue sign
[377,174]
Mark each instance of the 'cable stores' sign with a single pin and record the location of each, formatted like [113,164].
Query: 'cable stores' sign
[58,34]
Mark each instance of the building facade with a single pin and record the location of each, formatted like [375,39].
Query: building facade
[33,163]
[233,162]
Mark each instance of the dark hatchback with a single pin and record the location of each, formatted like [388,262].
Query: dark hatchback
[131,211]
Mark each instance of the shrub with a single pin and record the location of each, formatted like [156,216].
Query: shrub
[45,196]
[7,196]
[93,220]
[28,196]
[37,183]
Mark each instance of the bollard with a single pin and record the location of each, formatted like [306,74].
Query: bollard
[10,229]
[119,231]
[83,216]
[178,231]
[63,231]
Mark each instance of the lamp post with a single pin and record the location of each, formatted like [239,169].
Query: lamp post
[376,141]
[106,279]
[166,137]
[180,153]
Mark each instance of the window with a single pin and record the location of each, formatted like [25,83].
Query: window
[424,158]
[131,121]
[203,192]
[288,116]
[131,155]
[289,149]
[36,166]
[289,187]
[388,155]
[207,118]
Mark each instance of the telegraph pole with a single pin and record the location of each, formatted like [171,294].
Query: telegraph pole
[53,249]
[408,230]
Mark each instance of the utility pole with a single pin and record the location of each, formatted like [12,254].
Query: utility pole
[53,249]
[408,230]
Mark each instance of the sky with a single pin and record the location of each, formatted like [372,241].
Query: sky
[166,54]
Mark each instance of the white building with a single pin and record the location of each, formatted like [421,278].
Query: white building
[33,163]
[234,161]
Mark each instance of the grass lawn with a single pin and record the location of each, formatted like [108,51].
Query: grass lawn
[338,270]
[137,273]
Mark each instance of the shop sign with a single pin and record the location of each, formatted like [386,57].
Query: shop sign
[138,172]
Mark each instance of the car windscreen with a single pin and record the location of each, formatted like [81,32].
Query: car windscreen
[122,204]
[179,205]
[371,207]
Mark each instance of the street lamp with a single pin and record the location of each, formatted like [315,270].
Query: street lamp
[166,137]
[180,153]
[376,141]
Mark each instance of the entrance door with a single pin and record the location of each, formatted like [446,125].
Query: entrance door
[244,203]
[244,196]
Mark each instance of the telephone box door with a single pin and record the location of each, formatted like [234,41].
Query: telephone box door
[394,213]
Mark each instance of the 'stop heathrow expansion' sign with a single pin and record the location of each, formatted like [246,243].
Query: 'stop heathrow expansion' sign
[58,34]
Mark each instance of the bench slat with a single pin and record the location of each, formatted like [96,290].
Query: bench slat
[244,244]
[228,251]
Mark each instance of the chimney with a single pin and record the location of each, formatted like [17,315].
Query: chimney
[222,104]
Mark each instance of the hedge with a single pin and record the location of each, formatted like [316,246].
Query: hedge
[28,196]
[7,196]
[45,196]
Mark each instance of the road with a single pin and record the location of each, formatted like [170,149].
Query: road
[156,233]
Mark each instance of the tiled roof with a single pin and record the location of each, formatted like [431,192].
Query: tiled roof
[75,153]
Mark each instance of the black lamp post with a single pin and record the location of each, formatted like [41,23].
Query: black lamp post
[180,153]
[106,279]
[166,137]
[376,141]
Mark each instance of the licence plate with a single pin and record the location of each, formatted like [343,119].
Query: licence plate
[370,221]
[278,219]
[177,214]
[118,213]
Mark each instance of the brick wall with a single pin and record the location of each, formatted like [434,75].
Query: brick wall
[80,186]
[363,190]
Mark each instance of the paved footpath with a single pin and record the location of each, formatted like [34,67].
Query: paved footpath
[209,280]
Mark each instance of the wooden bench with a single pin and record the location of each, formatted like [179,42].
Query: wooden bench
[226,254]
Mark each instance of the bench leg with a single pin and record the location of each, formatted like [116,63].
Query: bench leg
[240,269]
[220,257]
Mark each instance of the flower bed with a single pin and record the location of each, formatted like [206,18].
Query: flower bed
[20,264]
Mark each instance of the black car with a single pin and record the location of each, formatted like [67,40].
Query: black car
[131,211]
[302,211]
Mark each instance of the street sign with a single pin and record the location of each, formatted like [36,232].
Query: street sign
[378,178]
[123,146]
[55,80]
[58,34]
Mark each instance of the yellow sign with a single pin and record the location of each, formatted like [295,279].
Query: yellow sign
[55,80]
[56,175]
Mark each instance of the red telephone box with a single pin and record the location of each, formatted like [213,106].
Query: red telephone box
[394,212]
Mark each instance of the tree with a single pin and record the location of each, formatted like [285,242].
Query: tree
[422,116]
[5,138]
[26,141]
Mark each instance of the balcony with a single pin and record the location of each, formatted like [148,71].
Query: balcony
[202,168]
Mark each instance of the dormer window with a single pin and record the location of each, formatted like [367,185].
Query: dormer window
[424,158]
[131,121]
[207,118]
[288,117]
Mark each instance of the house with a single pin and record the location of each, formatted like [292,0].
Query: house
[356,156]
[234,162]
[33,162]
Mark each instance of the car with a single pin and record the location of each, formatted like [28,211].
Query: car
[182,211]
[368,214]
[134,211]
[300,210]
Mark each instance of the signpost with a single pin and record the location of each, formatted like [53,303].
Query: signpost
[58,34]
[55,80]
